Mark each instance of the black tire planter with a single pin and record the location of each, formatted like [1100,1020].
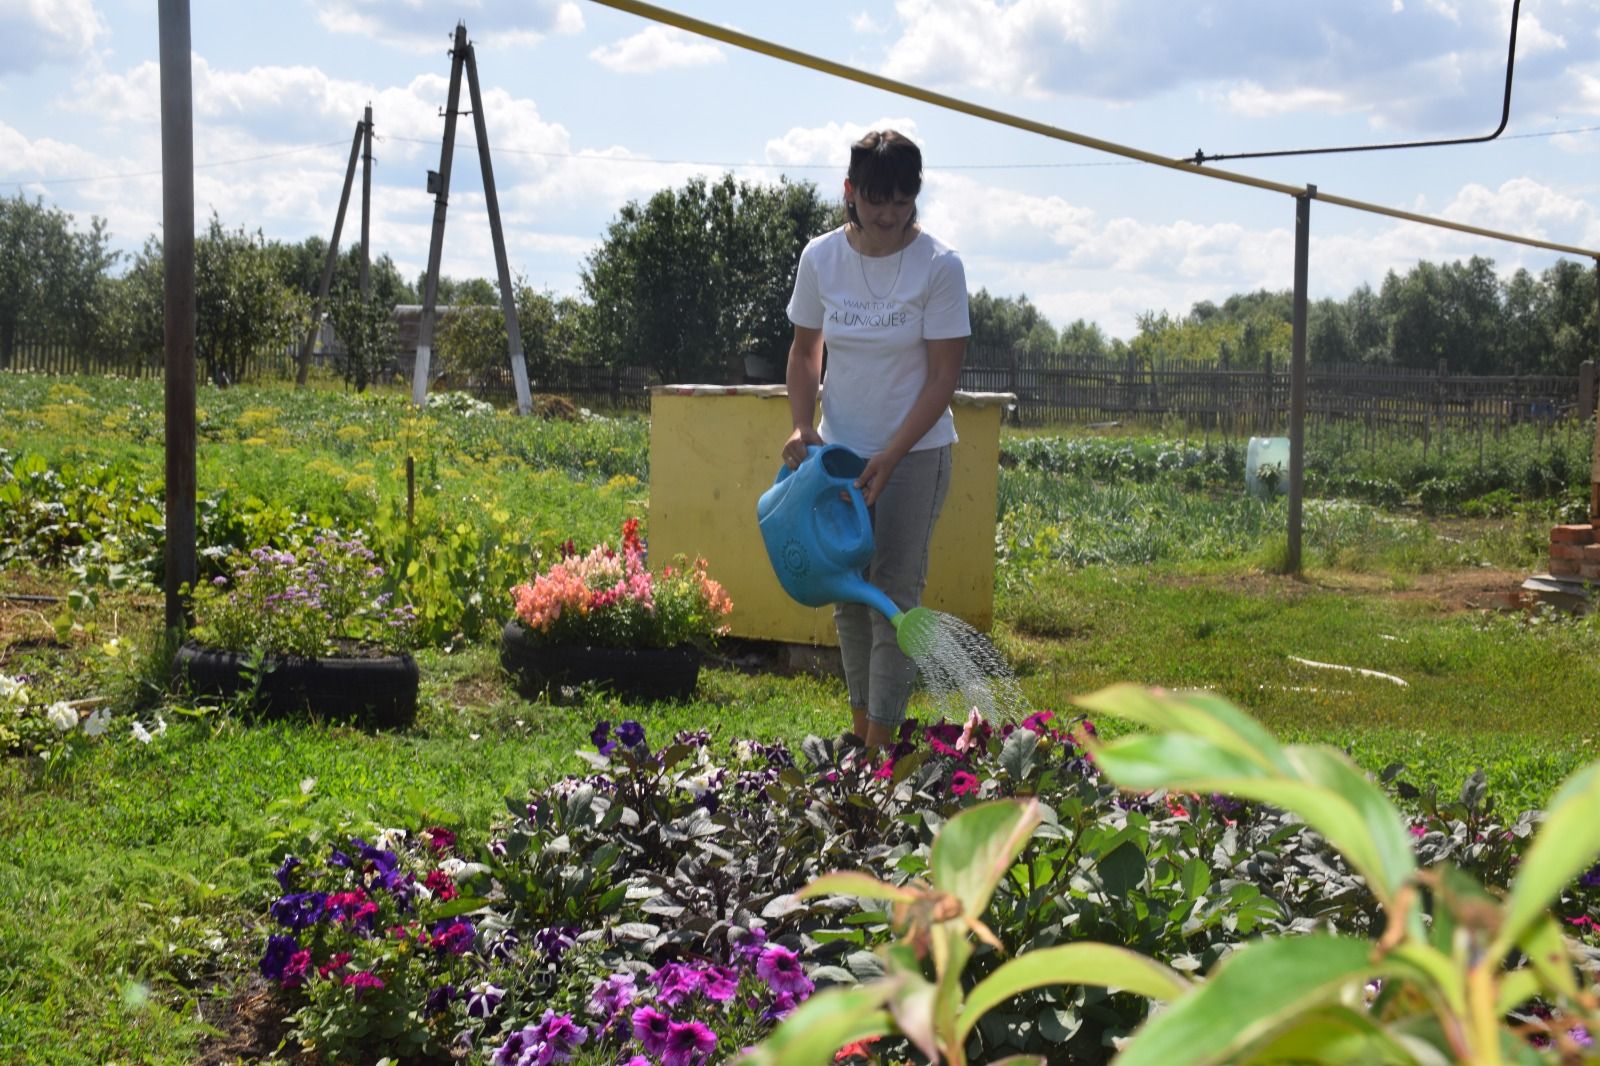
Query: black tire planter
[377,690]
[631,673]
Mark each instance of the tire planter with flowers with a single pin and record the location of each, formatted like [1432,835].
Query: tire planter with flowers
[604,618]
[631,673]
[364,684]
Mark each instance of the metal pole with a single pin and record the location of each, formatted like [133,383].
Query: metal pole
[441,200]
[366,203]
[1297,376]
[508,299]
[177,254]
[303,369]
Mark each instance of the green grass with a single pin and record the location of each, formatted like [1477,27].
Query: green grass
[1481,690]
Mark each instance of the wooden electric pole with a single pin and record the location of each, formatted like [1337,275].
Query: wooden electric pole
[178,303]
[363,135]
[461,55]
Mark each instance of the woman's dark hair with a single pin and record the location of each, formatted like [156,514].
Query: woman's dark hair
[884,164]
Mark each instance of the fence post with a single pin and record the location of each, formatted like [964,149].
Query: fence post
[1585,389]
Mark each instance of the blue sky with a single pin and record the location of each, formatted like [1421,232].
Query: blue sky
[588,108]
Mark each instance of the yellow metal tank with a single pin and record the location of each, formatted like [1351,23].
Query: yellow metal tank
[714,450]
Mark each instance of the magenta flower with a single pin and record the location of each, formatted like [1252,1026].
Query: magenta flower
[676,983]
[963,783]
[719,984]
[1039,721]
[651,1028]
[688,1044]
[362,980]
[780,969]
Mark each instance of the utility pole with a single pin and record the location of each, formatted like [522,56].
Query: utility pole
[366,203]
[363,132]
[461,55]
[178,304]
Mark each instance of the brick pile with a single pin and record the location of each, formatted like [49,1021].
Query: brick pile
[1574,552]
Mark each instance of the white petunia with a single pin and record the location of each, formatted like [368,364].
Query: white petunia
[97,722]
[140,733]
[62,715]
[13,690]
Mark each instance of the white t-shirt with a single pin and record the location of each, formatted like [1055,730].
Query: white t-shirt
[876,314]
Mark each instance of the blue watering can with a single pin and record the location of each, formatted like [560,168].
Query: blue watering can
[819,538]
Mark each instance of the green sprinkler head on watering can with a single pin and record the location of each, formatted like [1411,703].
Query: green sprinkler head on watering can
[819,537]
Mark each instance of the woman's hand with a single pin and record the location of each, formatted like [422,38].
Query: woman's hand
[794,449]
[876,476]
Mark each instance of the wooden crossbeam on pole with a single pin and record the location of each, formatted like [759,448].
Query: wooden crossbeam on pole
[508,298]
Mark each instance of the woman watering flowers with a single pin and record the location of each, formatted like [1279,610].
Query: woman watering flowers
[889,301]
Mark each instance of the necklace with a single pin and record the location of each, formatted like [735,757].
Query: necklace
[899,261]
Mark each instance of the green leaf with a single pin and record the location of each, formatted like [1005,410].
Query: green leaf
[1258,989]
[459,905]
[1330,1036]
[1017,754]
[855,883]
[824,1024]
[1565,847]
[1344,807]
[1549,958]
[1196,877]
[976,847]
[1122,871]
[1100,965]
[1208,717]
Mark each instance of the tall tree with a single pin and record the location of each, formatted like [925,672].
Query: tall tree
[52,275]
[1008,324]
[695,279]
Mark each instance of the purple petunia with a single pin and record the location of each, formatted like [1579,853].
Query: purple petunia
[719,984]
[556,940]
[688,1044]
[675,982]
[630,734]
[780,969]
[453,936]
[299,910]
[440,998]
[613,995]
[651,1028]
[280,949]
[601,737]
[483,998]
[749,943]
[503,945]
[285,871]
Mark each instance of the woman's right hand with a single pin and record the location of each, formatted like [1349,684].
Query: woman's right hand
[794,449]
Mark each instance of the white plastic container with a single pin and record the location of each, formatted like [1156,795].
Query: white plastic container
[1269,455]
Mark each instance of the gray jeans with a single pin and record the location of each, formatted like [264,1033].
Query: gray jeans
[877,673]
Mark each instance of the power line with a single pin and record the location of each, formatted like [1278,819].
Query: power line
[659,162]
[197,166]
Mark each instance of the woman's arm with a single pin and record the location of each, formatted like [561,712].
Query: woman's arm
[804,378]
[945,358]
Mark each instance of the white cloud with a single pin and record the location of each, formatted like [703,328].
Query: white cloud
[1423,66]
[417,27]
[863,22]
[830,145]
[657,48]
[1254,101]
[36,32]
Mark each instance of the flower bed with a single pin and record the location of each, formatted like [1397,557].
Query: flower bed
[668,874]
